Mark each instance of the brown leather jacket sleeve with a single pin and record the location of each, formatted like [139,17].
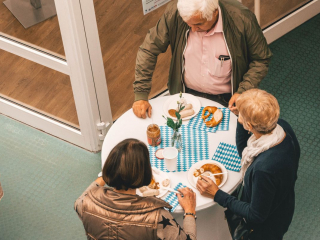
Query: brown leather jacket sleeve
[156,42]
[259,55]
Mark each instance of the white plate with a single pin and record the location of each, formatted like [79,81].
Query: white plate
[171,103]
[193,180]
[158,178]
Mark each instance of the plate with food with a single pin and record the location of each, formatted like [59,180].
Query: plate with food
[191,105]
[210,168]
[160,180]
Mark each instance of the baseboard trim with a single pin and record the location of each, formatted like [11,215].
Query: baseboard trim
[41,122]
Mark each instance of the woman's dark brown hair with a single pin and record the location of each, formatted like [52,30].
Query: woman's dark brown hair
[128,165]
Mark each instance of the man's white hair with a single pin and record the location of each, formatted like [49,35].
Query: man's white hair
[190,8]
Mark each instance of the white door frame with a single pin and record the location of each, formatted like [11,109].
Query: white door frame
[292,21]
[32,54]
[84,65]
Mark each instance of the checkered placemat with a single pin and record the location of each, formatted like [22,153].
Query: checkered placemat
[172,198]
[195,147]
[227,154]
[197,122]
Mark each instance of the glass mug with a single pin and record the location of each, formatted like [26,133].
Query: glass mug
[153,135]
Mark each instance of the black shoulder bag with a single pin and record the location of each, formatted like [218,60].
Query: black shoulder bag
[238,226]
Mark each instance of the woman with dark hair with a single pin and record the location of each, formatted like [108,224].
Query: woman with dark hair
[116,212]
[270,158]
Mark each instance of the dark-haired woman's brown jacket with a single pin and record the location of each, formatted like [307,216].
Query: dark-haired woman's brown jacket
[110,215]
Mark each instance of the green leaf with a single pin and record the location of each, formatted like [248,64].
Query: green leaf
[178,115]
[170,123]
[169,120]
[178,124]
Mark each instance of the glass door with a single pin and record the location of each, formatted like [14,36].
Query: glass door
[49,75]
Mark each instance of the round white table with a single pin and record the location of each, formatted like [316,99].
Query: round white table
[210,222]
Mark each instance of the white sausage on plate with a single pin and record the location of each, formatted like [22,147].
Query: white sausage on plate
[186,113]
[182,101]
[186,107]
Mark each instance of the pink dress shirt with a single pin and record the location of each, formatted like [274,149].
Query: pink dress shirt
[204,72]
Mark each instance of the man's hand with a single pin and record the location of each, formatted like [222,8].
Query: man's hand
[141,107]
[207,187]
[232,103]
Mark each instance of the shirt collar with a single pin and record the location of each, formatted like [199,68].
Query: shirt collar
[218,27]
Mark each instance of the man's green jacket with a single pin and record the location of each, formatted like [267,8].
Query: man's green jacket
[248,48]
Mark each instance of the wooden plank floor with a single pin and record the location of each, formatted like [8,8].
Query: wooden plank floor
[122,28]
[37,87]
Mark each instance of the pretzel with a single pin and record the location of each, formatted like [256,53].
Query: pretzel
[217,116]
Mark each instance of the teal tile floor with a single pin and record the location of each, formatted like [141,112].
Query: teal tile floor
[294,78]
[42,175]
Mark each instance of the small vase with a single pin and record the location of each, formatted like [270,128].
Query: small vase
[176,140]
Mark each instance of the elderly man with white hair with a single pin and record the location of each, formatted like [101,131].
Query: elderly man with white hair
[218,52]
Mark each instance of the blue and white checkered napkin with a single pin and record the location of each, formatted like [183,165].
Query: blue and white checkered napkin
[227,154]
[197,122]
[172,198]
[195,147]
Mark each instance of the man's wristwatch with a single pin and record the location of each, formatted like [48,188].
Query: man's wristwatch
[188,213]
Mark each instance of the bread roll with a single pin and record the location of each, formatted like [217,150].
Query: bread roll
[143,189]
[151,192]
[166,182]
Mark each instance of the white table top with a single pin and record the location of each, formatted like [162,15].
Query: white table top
[130,126]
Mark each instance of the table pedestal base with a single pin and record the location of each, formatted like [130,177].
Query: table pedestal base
[210,223]
[27,15]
